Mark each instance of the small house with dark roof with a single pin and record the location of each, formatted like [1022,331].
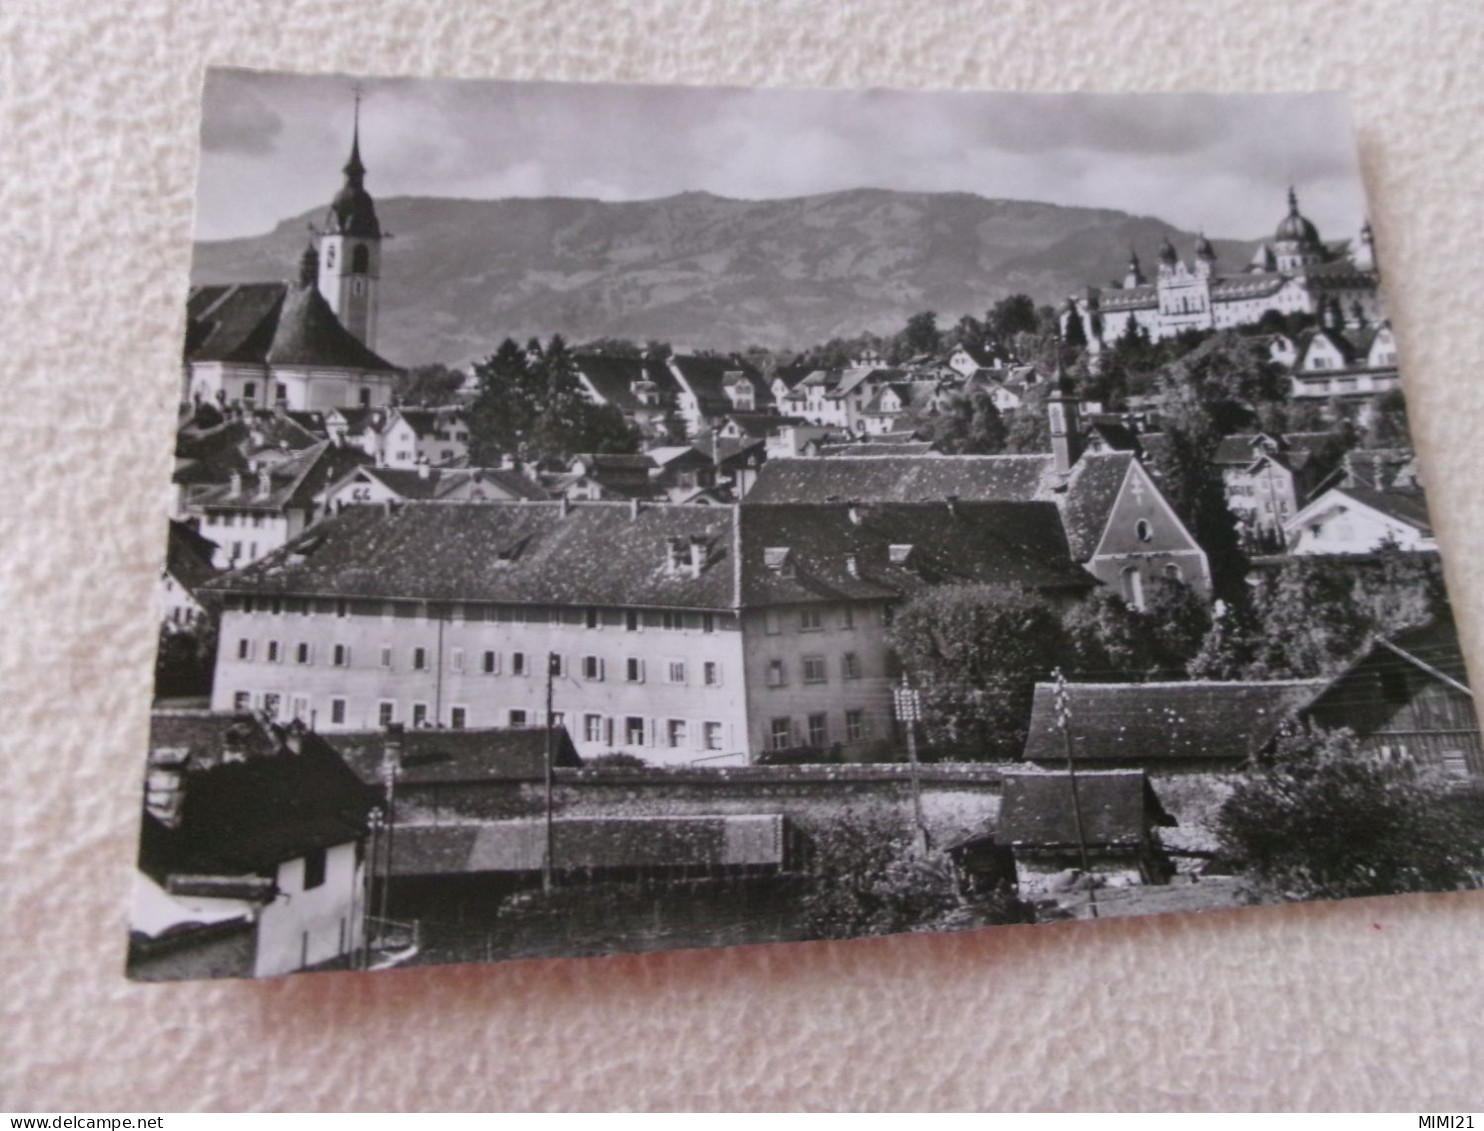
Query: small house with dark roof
[1359,520]
[252,836]
[1409,701]
[1188,737]
[1048,819]
[188,558]
[710,388]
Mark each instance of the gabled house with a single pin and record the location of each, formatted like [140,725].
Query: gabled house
[712,388]
[642,388]
[1116,521]
[968,360]
[1409,701]
[410,436]
[254,513]
[188,567]
[364,486]
[1048,819]
[1358,520]
[1267,478]
[252,851]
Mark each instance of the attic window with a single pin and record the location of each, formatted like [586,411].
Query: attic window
[900,553]
[779,560]
[1143,531]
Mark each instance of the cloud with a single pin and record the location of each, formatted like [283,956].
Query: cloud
[274,145]
[236,117]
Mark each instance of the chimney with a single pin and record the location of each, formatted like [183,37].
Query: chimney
[1064,415]
[293,737]
[164,785]
[566,505]
[633,508]
[697,555]
[853,512]
[422,468]
[265,484]
[852,565]
[234,485]
[953,506]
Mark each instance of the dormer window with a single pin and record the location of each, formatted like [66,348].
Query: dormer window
[779,559]
[900,553]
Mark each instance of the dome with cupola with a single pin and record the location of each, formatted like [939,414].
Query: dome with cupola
[1295,227]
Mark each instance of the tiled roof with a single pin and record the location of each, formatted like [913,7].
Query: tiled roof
[249,816]
[899,448]
[706,376]
[1436,645]
[1409,507]
[1254,284]
[1127,298]
[426,421]
[272,324]
[308,334]
[292,482]
[1117,808]
[901,479]
[614,378]
[429,756]
[232,323]
[188,556]
[518,553]
[759,424]
[1011,544]
[513,483]
[1091,491]
[410,483]
[1162,722]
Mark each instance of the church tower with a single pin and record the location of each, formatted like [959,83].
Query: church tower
[350,249]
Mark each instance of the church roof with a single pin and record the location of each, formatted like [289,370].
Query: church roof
[309,334]
[272,324]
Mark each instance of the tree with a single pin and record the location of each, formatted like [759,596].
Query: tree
[1320,818]
[1311,622]
[866,878]
[1385,422]
[1178,622]
[1228,649]
[920,335]
[976,652]
[1106,640]
[1192,484]
[970,424]
[1075,334]
[567,421]
[504,411]
[1029,432]
[1015,314]
[185,662]
[429,385]
[968,331]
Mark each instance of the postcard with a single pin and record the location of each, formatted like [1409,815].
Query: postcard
[621,518]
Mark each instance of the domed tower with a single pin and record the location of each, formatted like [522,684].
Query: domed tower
[1296,243]
[1205,257]
[1135,275]
[1365,251]
[350,249]
[1168,259]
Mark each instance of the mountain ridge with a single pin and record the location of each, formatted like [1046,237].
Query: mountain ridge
[707,271]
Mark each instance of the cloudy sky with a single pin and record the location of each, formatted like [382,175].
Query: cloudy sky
[272,147]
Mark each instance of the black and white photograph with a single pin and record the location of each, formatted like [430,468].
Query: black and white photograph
[628,518]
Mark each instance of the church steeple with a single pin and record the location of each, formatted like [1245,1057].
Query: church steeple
[350,247]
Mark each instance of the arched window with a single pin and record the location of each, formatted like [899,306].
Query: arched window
[360,260]
[1172,571]
[1143,531]
[1133,587]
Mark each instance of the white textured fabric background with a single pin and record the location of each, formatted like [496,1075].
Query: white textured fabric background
[1374,1004]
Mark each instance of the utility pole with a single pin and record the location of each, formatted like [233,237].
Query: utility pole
[1063,704]
[909,709]
[552,661]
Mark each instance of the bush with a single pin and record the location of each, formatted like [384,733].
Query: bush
[1319,818]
